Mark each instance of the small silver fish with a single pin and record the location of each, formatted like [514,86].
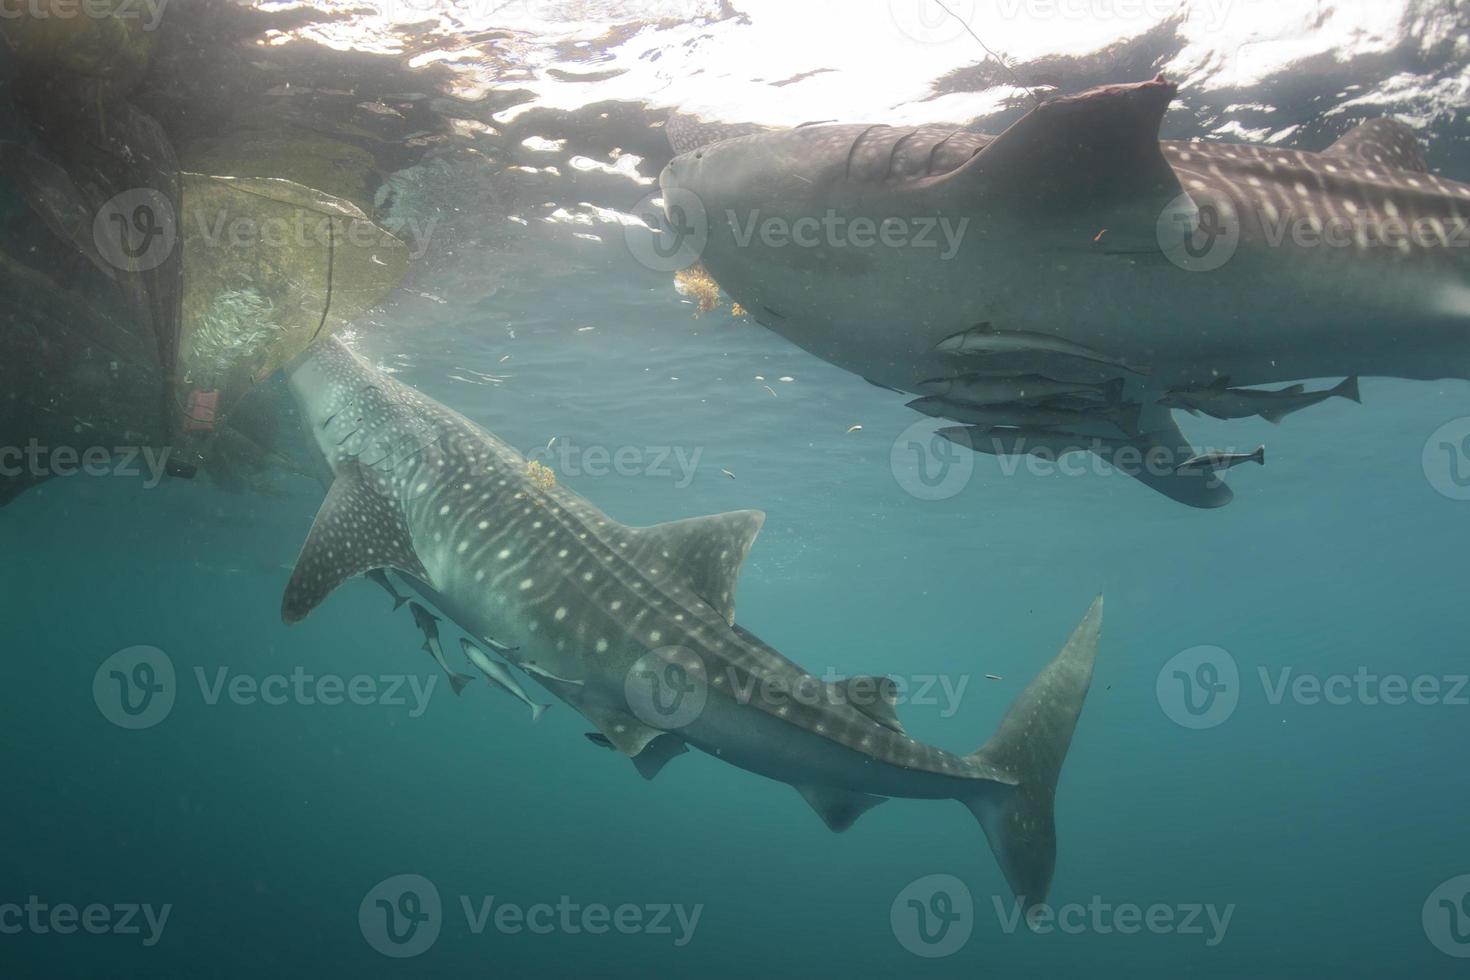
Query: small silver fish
[1222,461]
[1122,418]
[984,339]
[536,670]
[380,577]
[429,623]
[496,673]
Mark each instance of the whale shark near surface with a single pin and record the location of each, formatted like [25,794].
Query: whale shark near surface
[1078,247]
[635,627]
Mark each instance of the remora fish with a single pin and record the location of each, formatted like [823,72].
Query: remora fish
[380,577]
[1224,402]
[1224,461]
[429,623]
[1266,264]
[496,673]
[646,618]
[985,339]
[983,390]
[1123,418]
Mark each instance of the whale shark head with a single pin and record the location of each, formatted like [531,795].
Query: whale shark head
[802,217]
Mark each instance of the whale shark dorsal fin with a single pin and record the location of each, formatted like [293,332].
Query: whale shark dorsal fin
[876,697]
[1381,142]
[1080,155]
[838,808]
[706,552]
[357,529]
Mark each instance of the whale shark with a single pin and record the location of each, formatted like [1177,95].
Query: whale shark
[1181,263]
[634,627]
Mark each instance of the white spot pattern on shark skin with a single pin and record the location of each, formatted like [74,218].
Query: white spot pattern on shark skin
[623,596]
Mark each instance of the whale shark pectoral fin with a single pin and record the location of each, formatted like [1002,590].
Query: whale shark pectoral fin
[356,530]
[1094,157]
[651,761]
[876,697]
[707,552]
[1030,745]
[1157,453]
[838,808]
[1382,143]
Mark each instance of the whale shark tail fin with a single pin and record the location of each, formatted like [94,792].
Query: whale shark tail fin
[459,681]
[1349,389]
[1029,747]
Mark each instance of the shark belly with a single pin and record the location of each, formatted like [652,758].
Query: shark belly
[759,742]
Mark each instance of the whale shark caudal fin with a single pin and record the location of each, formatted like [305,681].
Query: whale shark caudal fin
[459,682]
[1349,389]
[1029,745]
[356,531]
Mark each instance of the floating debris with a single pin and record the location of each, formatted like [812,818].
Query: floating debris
[737,310]
[854,428]
[698,284]
[728,473]
[771,390]
[994,677]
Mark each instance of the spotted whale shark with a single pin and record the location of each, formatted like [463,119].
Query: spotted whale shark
[634,627]
[1187,262]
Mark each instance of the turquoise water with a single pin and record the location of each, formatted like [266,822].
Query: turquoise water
[1325,827]
[1268,778]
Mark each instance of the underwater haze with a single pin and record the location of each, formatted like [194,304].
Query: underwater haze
[1268,777]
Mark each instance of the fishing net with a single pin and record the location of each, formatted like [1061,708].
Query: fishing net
[151,296]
